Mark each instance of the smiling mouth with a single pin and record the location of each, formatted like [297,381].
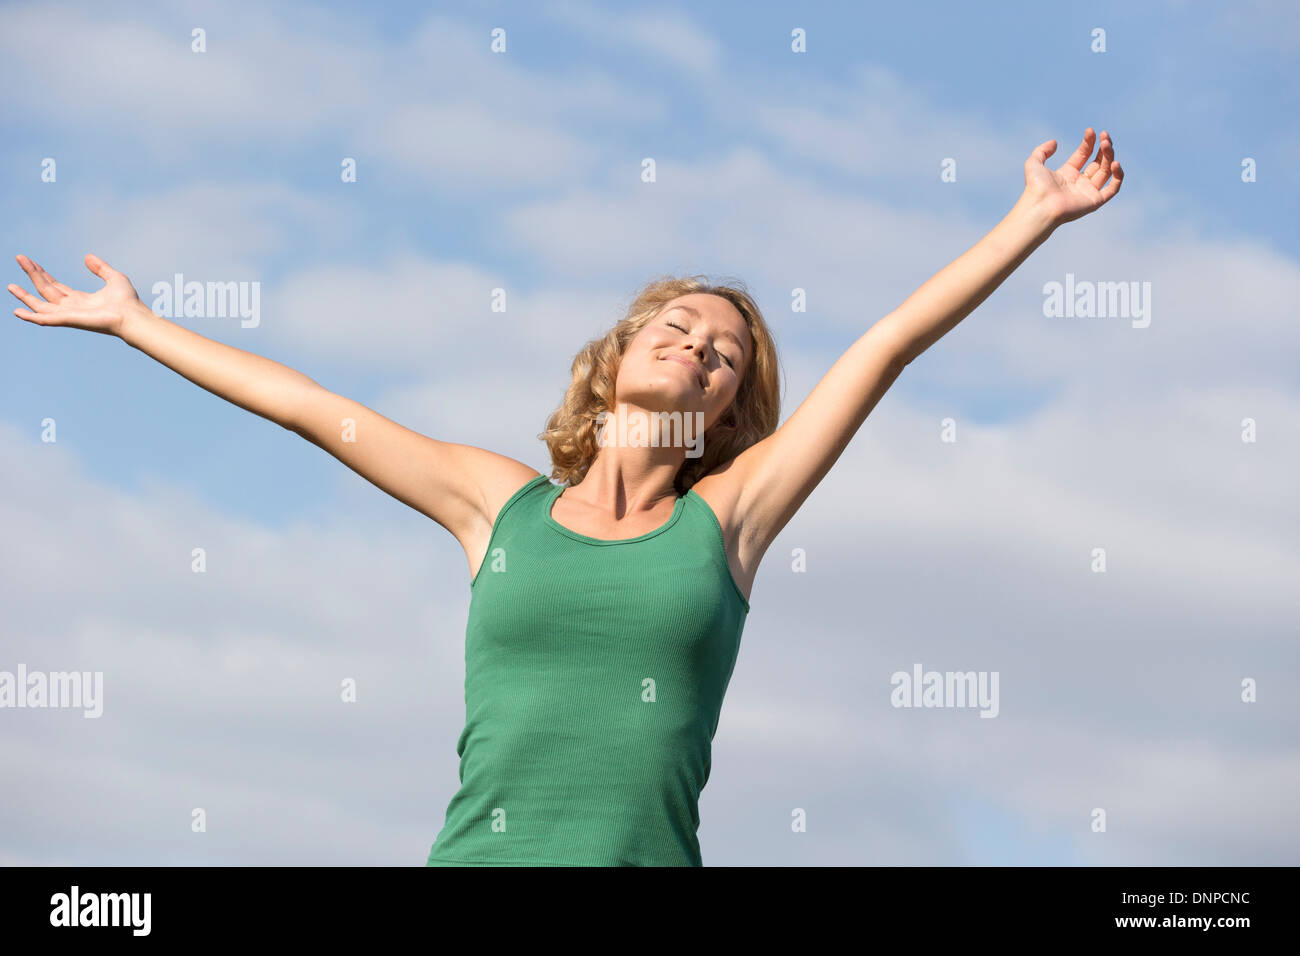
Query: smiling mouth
[699,372]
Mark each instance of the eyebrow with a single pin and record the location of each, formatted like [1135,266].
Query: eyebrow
[696,312]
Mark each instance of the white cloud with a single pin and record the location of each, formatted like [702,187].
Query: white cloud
[667,36]
[436,103]
[879,127]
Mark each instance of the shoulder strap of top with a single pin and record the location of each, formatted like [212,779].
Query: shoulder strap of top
[703,523]
[532,487]
[535,487]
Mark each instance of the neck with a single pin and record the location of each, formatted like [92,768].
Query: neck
[640,455]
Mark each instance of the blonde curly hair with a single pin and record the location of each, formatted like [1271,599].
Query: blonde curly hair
[571,431]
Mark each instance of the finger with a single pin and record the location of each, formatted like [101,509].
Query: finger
[1116,180]
[1041,152]
[1102,172]
[50,281]
[29,316]
[1103,145]
[45,284]
[29,300]
[27,266]
[1101,164]
[43,281]
[1082,153]
[99,267]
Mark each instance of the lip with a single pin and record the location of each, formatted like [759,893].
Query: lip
[693,366]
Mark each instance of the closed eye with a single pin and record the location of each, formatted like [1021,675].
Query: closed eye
[724,356]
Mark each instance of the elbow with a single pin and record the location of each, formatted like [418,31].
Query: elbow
[900,352]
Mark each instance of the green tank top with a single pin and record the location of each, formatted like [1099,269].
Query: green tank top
[594,678]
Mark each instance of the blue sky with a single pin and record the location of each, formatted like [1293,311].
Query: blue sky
[521,170]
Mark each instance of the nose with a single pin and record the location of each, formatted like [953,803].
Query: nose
[703,355]
[697,345]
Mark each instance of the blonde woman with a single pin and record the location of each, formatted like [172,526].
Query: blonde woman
[606,609]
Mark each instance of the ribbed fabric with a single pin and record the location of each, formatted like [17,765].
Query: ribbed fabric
[594,677]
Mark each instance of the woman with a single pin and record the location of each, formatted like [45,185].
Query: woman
[606,612]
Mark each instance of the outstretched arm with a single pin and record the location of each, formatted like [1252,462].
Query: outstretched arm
[770,480]
[458,486]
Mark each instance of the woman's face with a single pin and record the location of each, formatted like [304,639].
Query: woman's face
[689,358]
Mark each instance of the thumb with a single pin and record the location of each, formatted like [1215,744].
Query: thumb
[1042,151]
[99,267]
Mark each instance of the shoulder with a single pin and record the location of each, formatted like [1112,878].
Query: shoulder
[500,479]
[494,477]
[497,479]
[721,495]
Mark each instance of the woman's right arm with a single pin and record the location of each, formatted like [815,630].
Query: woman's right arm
[459,486]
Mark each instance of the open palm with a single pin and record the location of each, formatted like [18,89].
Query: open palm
[1074,189]
[100,311]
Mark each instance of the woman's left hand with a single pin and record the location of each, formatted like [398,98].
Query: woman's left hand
[1074,190]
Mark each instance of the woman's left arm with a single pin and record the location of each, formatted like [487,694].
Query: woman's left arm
[770,480]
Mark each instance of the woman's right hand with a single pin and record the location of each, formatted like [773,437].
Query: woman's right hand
[103,311]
